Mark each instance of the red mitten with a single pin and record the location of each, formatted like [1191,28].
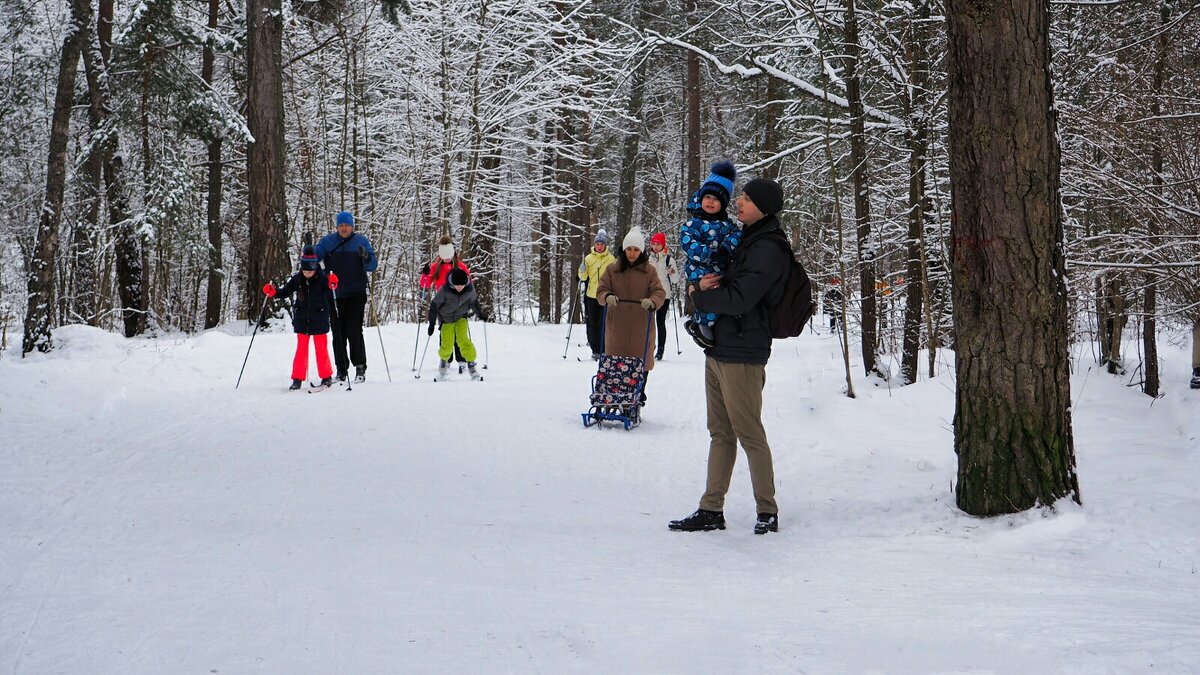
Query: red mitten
[333,281]
[269,290]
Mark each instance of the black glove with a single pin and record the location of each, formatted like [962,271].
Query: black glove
[424,270]
[362,252]
[431,328]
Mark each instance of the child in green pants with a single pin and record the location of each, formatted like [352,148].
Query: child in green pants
[451,305]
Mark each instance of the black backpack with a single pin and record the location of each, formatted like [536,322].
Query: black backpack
[795,307]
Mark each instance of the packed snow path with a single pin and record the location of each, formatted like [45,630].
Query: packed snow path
[155,520]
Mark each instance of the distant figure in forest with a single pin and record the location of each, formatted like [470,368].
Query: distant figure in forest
[708,239]
[833,302]
[1195,384]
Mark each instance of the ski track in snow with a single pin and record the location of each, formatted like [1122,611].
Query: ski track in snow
[155,520]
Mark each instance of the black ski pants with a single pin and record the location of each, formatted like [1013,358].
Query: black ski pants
[348,329]
[661,317]
[594,315]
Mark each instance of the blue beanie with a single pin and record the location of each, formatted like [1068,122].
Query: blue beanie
[345,218]
[720,182]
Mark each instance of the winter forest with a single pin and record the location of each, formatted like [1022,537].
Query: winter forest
[161,160]
[1000,201]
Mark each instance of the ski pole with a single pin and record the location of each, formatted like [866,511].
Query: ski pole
[417,342]
[258,323]
[337,318]
[485,346]
[375,318]
[423,352]
[675,318]
[570,322]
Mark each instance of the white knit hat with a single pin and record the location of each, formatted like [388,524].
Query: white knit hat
[446,251]
[635,239]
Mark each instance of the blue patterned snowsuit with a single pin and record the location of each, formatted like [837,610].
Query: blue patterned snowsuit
[707,241]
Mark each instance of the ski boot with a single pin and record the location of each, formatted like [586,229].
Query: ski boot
[341,376]
[360,374]
[326,382]
[474,373]
[296,384]
[443,368]
[1195,384]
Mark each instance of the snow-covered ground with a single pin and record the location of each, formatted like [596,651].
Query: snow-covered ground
[155,520]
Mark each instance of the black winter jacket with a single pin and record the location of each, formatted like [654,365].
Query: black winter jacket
[753,284]
[310,310]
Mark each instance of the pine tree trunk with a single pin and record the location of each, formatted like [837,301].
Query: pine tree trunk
[692,104]
[212,306]
[916,44]
[266,257]
[862,201]
[547,311]
[40,283]
[627,192]
[1012,421]
[771,131]
[127,241]
[1151,383]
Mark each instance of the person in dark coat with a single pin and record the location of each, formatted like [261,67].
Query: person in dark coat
[833,303]
[351,256]
[735,370]
[310,315]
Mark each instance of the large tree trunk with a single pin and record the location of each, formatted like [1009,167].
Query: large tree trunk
[627,191]
[1151,383]
[542,240]
[39,312]
[692,103]
[1012,420]
[212,306]
[128,243]
[266,258]
[862,201]
[772,134]
[916,44]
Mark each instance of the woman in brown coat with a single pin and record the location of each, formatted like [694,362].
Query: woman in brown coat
[634,280]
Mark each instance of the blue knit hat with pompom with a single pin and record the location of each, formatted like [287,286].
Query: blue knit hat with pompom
[719,183]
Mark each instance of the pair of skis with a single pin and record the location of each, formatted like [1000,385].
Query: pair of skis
[318,388]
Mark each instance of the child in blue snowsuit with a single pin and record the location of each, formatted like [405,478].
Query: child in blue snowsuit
[708,240]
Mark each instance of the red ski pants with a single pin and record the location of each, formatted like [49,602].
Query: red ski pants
[300,363]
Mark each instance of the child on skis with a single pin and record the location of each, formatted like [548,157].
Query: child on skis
[708,240]
[451,305]
[310,315]
[433,277]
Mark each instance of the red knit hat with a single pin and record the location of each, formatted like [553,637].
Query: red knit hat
[659,238]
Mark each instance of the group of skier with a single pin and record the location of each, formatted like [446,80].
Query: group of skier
[735,276]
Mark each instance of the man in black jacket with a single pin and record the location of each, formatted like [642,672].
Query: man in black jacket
[735,370]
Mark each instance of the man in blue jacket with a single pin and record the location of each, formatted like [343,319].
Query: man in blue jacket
[351,256]
[735,370]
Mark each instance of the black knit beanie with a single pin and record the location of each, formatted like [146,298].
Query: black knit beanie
[766,195]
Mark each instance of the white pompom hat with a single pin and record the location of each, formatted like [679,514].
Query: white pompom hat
[635,239]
